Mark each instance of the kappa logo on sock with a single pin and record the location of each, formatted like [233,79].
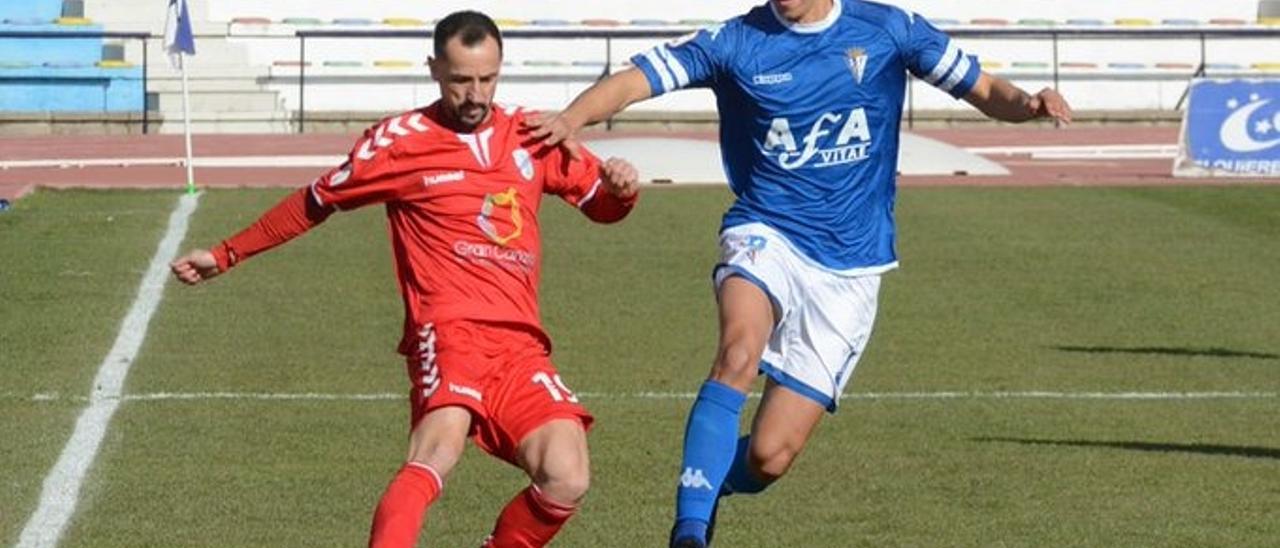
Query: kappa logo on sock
[692,478]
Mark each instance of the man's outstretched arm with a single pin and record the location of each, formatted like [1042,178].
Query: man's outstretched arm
[293,216]
[1000,99]
[600,101]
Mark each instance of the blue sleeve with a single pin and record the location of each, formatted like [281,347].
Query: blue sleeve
[934,57]
[689,62]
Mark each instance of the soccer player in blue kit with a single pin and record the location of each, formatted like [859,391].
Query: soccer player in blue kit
[810,94]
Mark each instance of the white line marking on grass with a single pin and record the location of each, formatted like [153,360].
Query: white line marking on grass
[866,396]
[1097,152]
[204,161]
[1038,395]
[62,486]
[1030,395]
[305,396]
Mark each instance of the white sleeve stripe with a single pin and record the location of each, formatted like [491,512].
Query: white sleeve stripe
[682,76]
[962,69]
[945,63]
[314,195]
[590,194]
[660,68]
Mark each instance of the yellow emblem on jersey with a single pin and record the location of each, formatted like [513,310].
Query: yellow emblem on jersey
[508,200]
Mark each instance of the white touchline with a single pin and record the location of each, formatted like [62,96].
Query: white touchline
[62,486]
[601,396]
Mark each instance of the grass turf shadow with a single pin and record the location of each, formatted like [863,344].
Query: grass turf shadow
[1210,352]
[1247,451]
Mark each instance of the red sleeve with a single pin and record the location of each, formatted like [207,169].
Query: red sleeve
[382,167]
[294,215]
[578,182]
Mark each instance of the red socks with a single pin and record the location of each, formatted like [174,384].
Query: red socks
[398,520]
[530,520]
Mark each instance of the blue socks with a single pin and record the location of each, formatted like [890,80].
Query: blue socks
[740,478]
[710,439]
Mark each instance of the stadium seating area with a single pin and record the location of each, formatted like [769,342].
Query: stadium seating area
[249,60]
[51,74]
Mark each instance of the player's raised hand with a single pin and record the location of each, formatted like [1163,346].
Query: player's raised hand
[1050,104]
[620,178]
[195,267]
[553,130]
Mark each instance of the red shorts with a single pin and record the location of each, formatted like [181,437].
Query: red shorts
[501,374]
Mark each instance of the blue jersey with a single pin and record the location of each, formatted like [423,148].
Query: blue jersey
[809,118]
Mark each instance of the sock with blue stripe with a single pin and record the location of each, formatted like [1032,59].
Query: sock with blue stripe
[709,448]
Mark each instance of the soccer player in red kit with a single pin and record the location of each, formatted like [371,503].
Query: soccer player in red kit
[462,194]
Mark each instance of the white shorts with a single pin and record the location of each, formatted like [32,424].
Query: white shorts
[823,318]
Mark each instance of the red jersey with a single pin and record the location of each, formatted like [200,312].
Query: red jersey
[462,211]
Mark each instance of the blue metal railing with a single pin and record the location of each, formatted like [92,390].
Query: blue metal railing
[1055,34]
[143,37]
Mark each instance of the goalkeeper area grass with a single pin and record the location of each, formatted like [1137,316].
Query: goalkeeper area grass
[1050,367]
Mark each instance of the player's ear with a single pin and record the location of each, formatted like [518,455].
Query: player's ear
[433,65]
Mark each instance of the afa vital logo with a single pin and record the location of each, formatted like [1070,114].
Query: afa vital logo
[851,143]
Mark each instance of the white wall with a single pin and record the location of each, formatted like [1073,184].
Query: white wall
[224,10]
[1062,10]
[389,90]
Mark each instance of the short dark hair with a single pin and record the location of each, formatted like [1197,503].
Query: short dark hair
[472,27]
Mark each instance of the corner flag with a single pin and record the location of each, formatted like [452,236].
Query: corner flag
[177,33]
[178,41]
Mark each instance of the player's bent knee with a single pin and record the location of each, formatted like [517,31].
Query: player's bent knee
[566,485]
[557,461]
[771,462]
[736,365]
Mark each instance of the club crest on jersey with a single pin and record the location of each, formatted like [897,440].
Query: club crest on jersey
[493,202]
[524,163]
[857,59]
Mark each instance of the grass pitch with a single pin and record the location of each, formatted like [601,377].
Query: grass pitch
[1068,292]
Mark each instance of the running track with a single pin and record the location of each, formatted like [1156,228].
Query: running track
[1026,170]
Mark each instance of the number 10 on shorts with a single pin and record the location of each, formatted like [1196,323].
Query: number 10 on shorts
[559,392]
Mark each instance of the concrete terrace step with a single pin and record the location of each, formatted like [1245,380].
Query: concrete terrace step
[215,102]
[174,84]
[261,121]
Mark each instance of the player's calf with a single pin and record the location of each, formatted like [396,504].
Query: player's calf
[397,522]
[743,477]
[530,520]
[767,462]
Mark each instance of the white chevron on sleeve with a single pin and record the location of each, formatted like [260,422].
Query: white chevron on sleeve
[415,122]
[366,150]
[379,139]
[394,126]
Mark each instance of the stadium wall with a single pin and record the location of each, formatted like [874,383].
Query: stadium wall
[225,10]
[245,76]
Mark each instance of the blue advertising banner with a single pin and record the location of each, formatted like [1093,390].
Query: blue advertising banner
[1231,127]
